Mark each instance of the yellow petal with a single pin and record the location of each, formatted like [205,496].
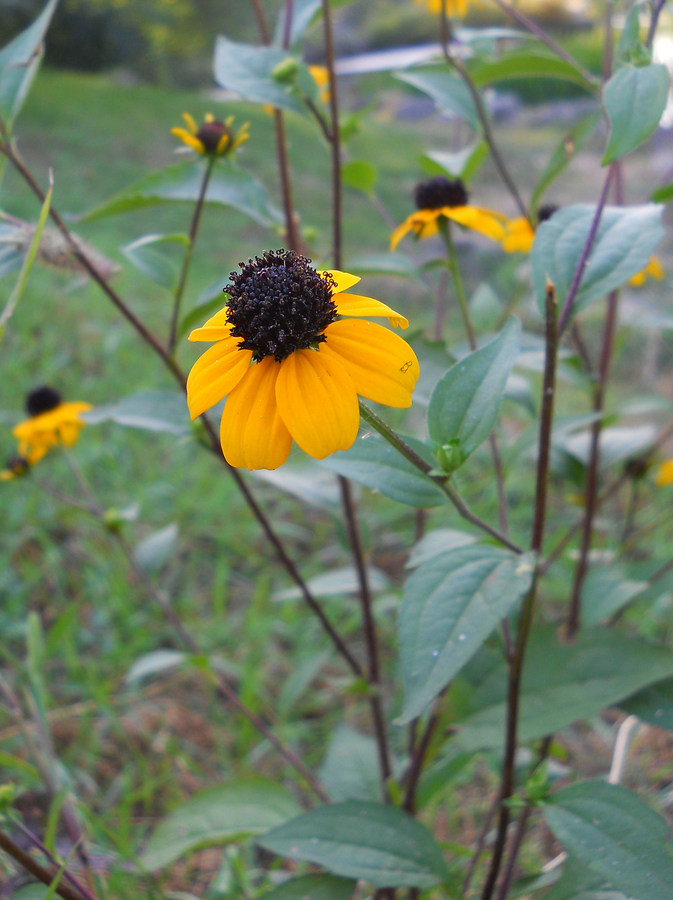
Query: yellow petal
[252,433]
[192,127]
[355,305]
[215,329]
[342,280]
[214,374]
[483,221]
[189,139]
[423,223]
[318,403]
[222,145]
[664,475]
[519,236]
[208,118]
[382,365]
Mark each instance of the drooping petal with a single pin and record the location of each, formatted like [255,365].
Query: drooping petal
[318,403]
[189,139]
[342,280]
[252,433]
[215,373]
[519,236]
[382,365]
[483,221]
[355,305]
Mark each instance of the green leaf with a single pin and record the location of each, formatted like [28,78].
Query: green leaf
[616,836]
[373,462]
[379,844]
[313,887]
[154,663]
[336,583]
[634,98]
[563,683]
[160,263]
[436,542]
[359,175]
[162,411]
[616,444]
[625,240]
[248,71]
[303,13]
[218,816]
[448,91]
[606,590]
[351,767]
[27,264]
[629,40]
[564,151]
[577,882]
[229,186]
[462,164]
[450,606]
[208,303]
[464,405]
[398,264]
[654,704]
[19,62]
[526,64]
[154,551]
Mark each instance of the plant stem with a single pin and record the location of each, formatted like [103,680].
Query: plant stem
[482,113]
[44,875]
[335,142]
[445,230]
[189,250]
[36,842]
[567,310]
[550,43]
[451,493]
[528,606]
[417,761]
[371,639]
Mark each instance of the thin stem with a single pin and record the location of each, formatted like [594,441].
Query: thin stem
[371,639]
[481,842]
[528,607]
[417,761]
[550,43]
[451,493]
[482,113]
[264,32]
[657,7]
[291,226]
[90,267]
[287,23]
[335,142]
[567,310]
[445,230]
[189,251]
[36,842]
[30,865]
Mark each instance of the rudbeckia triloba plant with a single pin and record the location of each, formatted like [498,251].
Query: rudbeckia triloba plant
[440,199]
[213,138]
[291,358]
[52,422]
[426,597]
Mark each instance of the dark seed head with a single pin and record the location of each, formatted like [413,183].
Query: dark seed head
[438,192]
[42,400]
[210,134]
[546,211]
[17,465]
[279,304]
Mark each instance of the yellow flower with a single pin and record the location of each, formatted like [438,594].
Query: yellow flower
[441,197]
[664,475]
[321,77]
[290,366]
[15,468]
[51,423]
[519,236]
[453,7]
[213,138]
[653,269]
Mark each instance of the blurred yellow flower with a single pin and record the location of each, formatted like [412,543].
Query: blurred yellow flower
[442,197]
[213,138]
[454,8]
[321,77]
[664,474]
[51,422]
[290,366]
[15,468]
[653,269]
[519,236]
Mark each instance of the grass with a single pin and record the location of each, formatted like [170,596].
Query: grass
[134,748]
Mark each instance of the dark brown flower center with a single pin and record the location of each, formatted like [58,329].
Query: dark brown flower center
[279,304]
[210,134]
[546,211]
[440,191]
[42,400]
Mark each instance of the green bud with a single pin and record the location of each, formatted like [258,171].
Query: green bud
[113,520]
[286,70]
[450,457]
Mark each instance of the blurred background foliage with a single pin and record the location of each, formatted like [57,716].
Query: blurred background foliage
[169,42]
